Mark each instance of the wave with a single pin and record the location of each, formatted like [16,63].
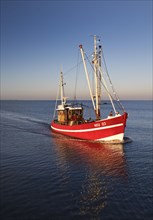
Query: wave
[24,123]
[20,117]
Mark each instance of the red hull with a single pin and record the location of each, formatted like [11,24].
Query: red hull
[108,129]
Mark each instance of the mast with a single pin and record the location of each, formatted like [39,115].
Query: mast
[62,89]
[61,92]
[97,73]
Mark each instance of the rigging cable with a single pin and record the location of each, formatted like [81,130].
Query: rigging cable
[115,94]
[56,102]
[119,104]
[70,69]
[77,71]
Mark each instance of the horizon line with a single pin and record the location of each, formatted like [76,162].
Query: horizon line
[73,100]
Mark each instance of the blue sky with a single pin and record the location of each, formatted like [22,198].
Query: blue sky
[38,37]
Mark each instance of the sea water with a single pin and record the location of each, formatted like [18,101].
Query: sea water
[49,176]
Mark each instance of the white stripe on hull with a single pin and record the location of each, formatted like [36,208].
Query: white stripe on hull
[117,137]
[87,130]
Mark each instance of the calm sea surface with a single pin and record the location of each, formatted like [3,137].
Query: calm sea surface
[47,176]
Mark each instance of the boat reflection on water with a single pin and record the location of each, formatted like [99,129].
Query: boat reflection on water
[95,167]
[106,158]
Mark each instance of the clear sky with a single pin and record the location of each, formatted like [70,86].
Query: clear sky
[37,37]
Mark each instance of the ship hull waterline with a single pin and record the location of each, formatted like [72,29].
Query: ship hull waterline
[105,130]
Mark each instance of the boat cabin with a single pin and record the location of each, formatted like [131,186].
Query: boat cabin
[69,115]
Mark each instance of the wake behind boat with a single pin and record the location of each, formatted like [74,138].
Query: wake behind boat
[69,118]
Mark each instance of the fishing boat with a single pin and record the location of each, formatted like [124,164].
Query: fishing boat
[69,118]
